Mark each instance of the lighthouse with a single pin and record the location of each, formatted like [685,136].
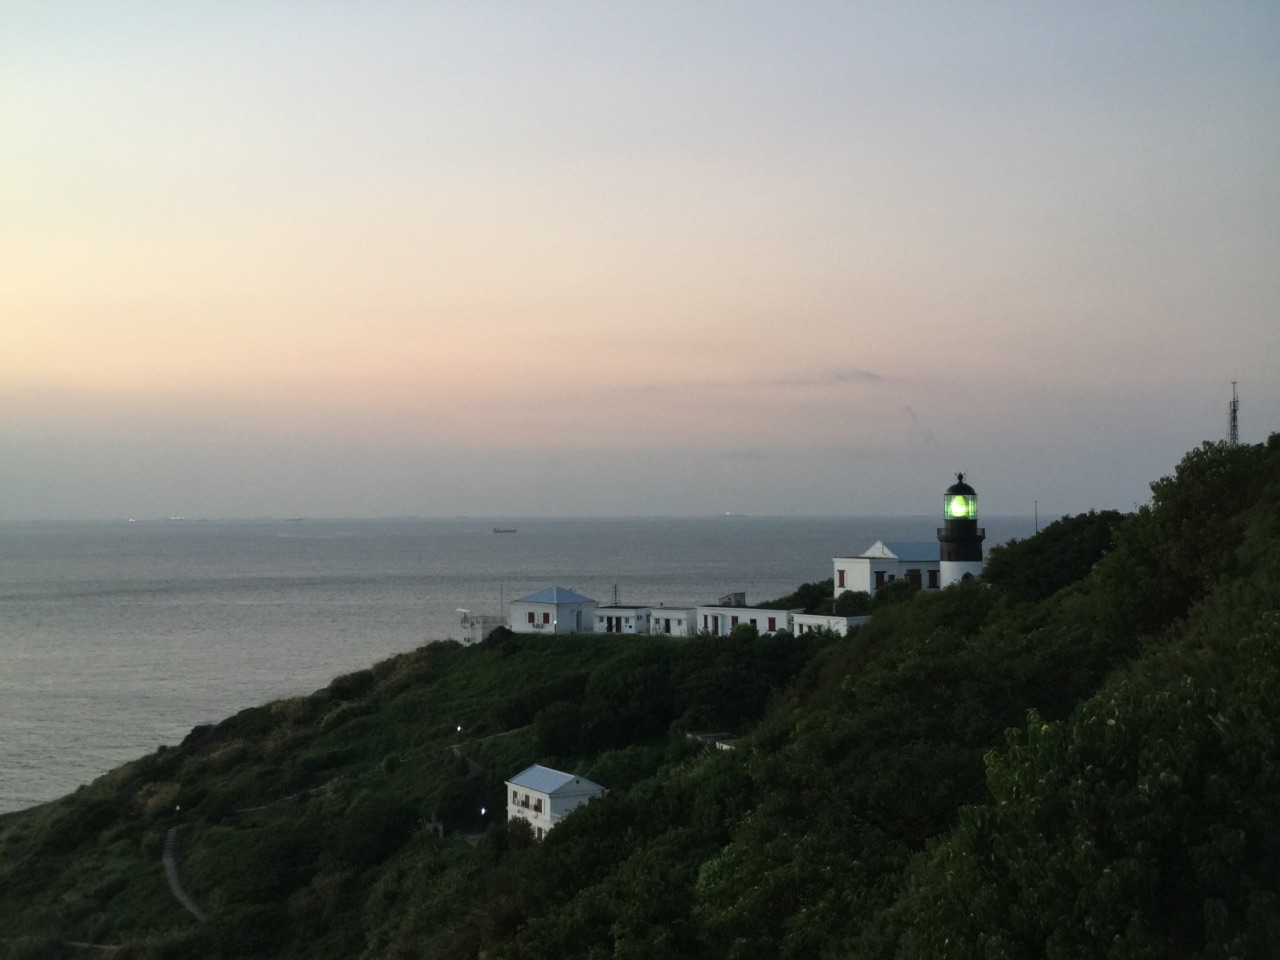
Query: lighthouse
[959,537]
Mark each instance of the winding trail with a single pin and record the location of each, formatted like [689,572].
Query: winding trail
[170,861]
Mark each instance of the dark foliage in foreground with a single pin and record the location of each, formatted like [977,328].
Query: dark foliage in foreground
[1077,756]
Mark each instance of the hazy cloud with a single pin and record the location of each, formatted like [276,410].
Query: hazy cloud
[921,432]
[857,376]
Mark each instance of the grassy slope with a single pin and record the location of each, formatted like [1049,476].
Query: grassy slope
[288,812]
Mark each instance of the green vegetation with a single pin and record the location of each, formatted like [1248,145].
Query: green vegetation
[1076,756]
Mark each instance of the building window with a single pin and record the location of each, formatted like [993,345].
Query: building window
[515,795]
[913,577]
[546,618]
[539,833]
[537,805]
[773,624]
[531,616]
[933,579]
[839,578]
[733,621]
[879,579]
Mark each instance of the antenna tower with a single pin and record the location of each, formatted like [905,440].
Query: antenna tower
[1233,418]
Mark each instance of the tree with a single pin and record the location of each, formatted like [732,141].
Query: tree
[850,604]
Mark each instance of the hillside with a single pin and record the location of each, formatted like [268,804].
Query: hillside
[1074,757]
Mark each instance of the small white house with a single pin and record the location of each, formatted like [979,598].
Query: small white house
[718,620]
[883,562]
[616,618]
[803,623]
[673,621]
[553,610]
[544,797]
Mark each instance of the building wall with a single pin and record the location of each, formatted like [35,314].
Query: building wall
[856,575]
[721,620]
[531,805]
[569,798]
[476,627]
[672,621]
[543,811]
[633,619]
[803,623]
[955,570]
[551,617]
[861,573]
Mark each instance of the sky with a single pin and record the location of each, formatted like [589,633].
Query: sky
[617,259]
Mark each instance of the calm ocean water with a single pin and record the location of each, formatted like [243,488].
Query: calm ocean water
[118,637]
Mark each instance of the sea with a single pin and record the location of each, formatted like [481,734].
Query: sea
[118,637]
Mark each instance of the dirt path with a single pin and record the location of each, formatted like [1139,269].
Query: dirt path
[170,860]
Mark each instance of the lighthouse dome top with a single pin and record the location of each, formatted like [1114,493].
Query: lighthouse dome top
[961,487]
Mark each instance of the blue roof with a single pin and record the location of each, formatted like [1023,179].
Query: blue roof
[555,595]
[544,779]
[917,551]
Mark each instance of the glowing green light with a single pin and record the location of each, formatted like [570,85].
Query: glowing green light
[959,507]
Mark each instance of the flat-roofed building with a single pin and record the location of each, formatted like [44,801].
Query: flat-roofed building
[883,562]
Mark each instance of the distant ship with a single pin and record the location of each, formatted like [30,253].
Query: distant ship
[504,529]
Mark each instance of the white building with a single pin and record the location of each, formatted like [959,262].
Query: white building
[673,621]
[883,562]
[544,797]
[802,623]
[717,620]
[617,618]
[477,626]
[554,610]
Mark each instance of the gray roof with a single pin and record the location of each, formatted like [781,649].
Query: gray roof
[919,551]
[555,595]
[545,780]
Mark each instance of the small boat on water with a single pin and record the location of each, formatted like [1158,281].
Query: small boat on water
[504,529]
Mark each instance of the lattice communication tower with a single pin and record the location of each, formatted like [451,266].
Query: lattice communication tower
[1233,418]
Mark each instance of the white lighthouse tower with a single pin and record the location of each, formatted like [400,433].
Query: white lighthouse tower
[959,538]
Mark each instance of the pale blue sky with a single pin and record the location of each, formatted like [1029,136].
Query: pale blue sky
[572,258]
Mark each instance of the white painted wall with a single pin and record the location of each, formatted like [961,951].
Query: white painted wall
[672,621]
[721,620]
[634,619]
[803,623]
[953,571]
[552,617]
[544,810]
